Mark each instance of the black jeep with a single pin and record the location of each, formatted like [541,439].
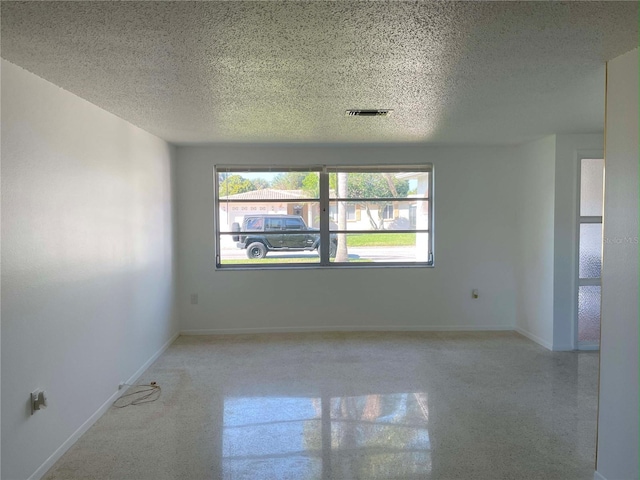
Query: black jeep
[260,234]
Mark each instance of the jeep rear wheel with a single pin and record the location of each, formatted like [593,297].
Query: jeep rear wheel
[256,250]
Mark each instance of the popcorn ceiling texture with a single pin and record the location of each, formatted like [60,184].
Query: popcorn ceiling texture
[453,72]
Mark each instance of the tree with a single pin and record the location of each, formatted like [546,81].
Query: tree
[342,255]
[311,184]
[376,185]
[289,181]
[234,184]
[260,183]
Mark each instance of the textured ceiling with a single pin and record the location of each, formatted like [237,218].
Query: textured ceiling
[274,71]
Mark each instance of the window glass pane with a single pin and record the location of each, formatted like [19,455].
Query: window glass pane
[379,184]
[380,247]
[590,250]
[404,214]
[255,224]
[268,185]
[589,314]
[591,187]
[294,224]
[270,216]
[271,224]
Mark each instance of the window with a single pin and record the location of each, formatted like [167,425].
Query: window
[274,224]
[274,217]
[255,223]
[294,224]
[351,212]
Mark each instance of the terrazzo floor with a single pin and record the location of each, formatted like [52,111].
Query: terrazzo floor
[351,406]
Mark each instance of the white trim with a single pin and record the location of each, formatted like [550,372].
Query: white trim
[598,476]
[535,338]
[567,347]
[348,328]
[73,438]
[588,346]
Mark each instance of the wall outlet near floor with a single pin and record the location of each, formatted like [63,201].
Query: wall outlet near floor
[194,299]
[121,385]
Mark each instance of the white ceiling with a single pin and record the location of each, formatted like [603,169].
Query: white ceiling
[275,71]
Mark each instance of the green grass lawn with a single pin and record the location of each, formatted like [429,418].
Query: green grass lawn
[381,240]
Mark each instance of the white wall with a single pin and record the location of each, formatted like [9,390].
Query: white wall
[618,409]
[475,216]
[535,267]
[87,269]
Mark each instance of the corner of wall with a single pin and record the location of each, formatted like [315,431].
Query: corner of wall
[175,315]
[536,230]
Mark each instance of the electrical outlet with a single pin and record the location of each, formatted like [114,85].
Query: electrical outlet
[38,400]
[194,299]
[121,385]
[474,293]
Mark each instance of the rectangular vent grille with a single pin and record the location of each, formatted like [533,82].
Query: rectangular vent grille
[369,113]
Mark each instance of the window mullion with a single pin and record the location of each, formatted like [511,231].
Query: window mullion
[325,242]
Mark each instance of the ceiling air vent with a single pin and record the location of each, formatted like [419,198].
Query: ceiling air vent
[369,113]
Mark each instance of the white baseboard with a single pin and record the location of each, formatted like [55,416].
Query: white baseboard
[598,476]
[534,338]
[589,347]
[73,438]
[348,328]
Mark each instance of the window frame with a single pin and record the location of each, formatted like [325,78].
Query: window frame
[388,216]
[324,202]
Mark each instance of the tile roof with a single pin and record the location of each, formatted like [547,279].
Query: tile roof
[268,194]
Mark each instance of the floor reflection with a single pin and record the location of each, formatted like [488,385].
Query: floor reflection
[370,436]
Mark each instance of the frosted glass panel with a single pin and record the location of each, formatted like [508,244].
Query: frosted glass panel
[591,187]
[590,250]
[589,314]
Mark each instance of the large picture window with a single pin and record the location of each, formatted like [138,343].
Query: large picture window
[324,216]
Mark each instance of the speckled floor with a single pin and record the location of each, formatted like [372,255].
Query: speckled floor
[352,406]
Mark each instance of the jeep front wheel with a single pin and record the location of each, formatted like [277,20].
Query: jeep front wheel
[256,250]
